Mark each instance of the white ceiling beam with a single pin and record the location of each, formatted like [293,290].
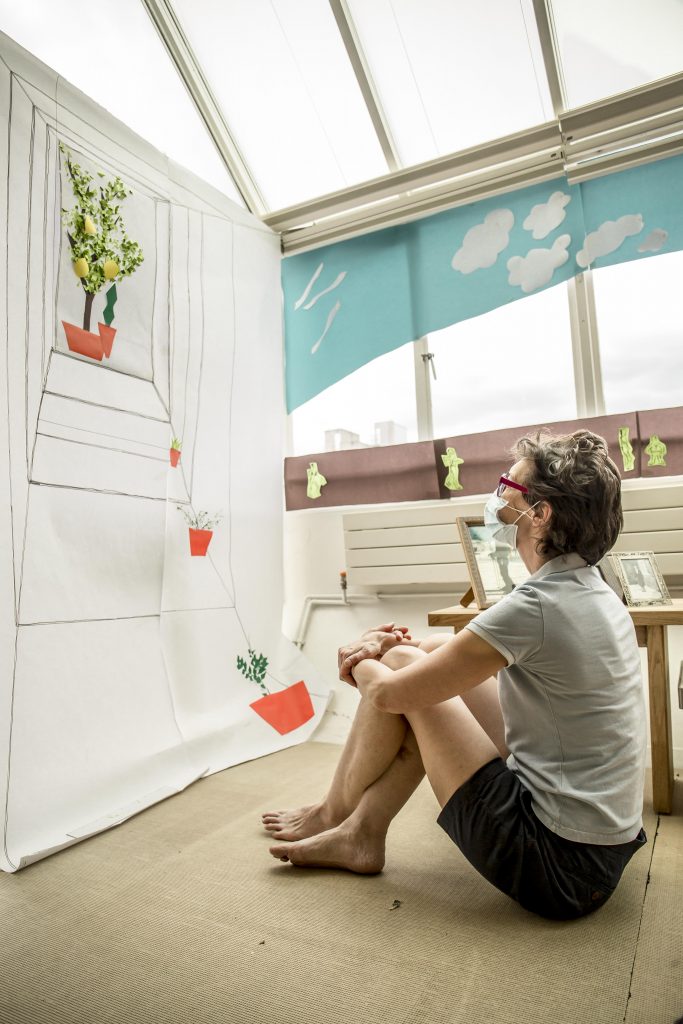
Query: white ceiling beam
[626,130]
[167,25]
[541,144]
[547,35]
[361,70]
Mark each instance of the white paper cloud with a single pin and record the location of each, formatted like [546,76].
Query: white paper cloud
[545,217]
[654,241]
[608,237]
[484,242]
[537,267]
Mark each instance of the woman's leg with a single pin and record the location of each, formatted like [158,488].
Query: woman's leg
[375,741]
[358,842]
[482,701]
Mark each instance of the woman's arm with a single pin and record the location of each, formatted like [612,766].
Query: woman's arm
[458,665]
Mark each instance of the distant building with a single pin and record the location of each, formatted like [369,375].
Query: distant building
[341,440]
[389,432]
[386,432]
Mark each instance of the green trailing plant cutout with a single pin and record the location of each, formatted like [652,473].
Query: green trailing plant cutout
[202,520]
[255,670]
[108,312]
[101,251]
[626,449]
[316,481]
[656,449]
[453,462]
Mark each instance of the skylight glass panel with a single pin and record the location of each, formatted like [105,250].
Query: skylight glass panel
[452,73]
[283,79]
[616,45]
[115,57]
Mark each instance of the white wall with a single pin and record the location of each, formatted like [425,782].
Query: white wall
[314,556]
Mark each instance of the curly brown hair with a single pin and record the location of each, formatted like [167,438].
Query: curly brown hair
[582,485]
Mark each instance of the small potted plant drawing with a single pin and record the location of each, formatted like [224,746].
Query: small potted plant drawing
[174,451]
[200,528]
[101,252]
[284,711]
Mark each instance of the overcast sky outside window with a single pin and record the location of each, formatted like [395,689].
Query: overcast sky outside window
[379,391]
[640,327]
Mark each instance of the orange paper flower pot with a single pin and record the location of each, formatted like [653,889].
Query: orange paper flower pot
[175,455]
[107,337]
[84,342]
[286,710]
[199,541]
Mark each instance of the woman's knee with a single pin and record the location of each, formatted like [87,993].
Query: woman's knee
[430,643]
[399,657]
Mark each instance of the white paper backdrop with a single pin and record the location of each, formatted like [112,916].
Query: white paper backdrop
[119,682]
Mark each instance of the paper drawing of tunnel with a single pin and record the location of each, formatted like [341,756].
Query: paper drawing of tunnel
[101,252]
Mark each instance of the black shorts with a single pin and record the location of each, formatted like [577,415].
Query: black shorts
[490,818]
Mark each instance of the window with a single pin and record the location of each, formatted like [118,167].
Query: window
[281,75]
[372,406]
[119,61]
[452,73]
[640,327]
[507,368]
[615,45]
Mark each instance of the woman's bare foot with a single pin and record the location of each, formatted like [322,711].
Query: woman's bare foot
[301,823]
[340,847]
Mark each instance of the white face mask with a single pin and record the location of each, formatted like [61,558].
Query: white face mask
[502,533]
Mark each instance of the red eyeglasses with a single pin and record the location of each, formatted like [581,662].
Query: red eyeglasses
[506,482]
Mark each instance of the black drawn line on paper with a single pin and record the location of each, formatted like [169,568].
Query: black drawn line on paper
[201,354]
[124,618]
[102,433]
[45,241]
[87,361]
[171,317]
[188,345]
[101,405]
[9,465]
[103,490]
[102,447]
[7,335]
[59,199]
[154,288]
[163,403]
[27,337]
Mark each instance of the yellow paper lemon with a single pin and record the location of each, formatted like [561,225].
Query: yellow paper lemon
[81,268]
[111,269]
[89,226]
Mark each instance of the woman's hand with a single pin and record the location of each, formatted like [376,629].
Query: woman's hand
[374,643]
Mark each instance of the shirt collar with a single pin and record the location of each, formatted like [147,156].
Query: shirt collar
[563,563]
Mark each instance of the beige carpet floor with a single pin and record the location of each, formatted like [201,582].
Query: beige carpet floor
[181,915]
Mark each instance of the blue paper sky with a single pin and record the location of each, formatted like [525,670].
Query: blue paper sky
[346,304]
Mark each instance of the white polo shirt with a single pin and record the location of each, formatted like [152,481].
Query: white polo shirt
[572,700]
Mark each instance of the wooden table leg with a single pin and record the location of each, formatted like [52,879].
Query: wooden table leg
[660,719]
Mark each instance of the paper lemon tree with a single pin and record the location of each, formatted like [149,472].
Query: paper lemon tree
[101,252]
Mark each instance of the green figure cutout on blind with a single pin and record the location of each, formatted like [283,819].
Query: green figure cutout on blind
[452,460]
[315,481]
[626,449]
[656,449]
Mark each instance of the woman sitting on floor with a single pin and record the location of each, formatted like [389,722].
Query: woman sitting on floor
[539,773]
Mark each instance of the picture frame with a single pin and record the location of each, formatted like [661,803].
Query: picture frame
[494,568]
[640,578]
[610,577]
